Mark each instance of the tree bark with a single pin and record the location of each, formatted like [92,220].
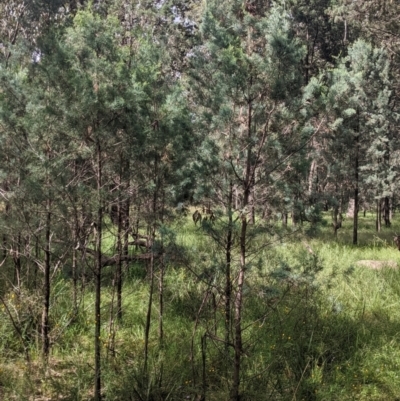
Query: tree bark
[238,345]
[228,280]
[356,189]
[386,213]
[98,266]
[378,216]
[284,219]
[120,251]
[46,287]
[148,315]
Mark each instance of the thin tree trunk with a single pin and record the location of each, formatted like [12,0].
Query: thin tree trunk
[120,251]
[387,211]
[75,239]
[237,202]
[75,268]
[17,264]
[36,264]
[377,216]
[228,280]
[284,219]
[151,291]
[161,285]
[46,289]
[125,250]
[161,294]
[238,346]
[111,323]
[252,202]
[5,238]
[336,221]
[97,307]
[356,189]
[148,315]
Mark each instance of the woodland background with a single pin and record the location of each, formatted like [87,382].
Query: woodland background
[174,182]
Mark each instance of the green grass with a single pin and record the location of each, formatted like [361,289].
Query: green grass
[317,327]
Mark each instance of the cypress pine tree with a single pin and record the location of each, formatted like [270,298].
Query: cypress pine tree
[247,83]
[357,103]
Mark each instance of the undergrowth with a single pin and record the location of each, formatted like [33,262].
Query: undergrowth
[317,326]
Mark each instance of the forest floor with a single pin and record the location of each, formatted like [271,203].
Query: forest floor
[319,325]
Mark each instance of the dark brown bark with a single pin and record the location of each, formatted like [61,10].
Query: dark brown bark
[17,263]
[228,280]
[75,238]
[120,251]
[148,315]
[238,304]
[151,267]
[161,292]
[378,216]
[356,188]
[98,267]
[337,220]
[284,219]
[46,286]
[386,211]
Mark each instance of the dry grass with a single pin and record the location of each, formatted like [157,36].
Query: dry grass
[377,264]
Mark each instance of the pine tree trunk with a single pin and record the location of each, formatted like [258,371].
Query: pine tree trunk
[238,312]
[5,238]
[253,209]
[119,264]
[36,269]
[161,294]
[161,283]
[46,288]
[237,201]
[387,211]
[377,216]
[151,290]
[75,280]
[238,346]
[126,226]
[228,280]
[356,190]
[17,264]
[148,315]
[284,219]
[97,306]
[337,220]
[75,239]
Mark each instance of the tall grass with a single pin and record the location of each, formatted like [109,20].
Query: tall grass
[317,326]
